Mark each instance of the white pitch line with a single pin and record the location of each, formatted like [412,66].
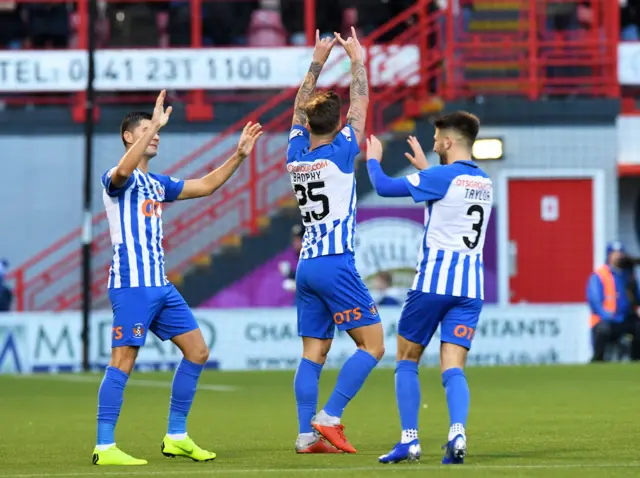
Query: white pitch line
[134,381]
[381,468]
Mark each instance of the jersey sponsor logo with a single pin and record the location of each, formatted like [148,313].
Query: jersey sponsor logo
[464,332]
[151,208]
[175,180]
[302,173]
[472,183]
[294,133]
[347,316]
[138,330]
[414,179]
[117,333]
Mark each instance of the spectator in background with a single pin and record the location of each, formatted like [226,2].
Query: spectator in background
[287,269]
[629,20]
[12,31]
[382,291]
[328,18]
[612,304]
[48,24]
[6,296]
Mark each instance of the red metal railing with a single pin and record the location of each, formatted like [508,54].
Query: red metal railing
[251,192]
[443,53]
[530,56]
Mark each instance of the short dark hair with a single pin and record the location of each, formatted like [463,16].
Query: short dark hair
[131,122]
[323,113]
[466,124]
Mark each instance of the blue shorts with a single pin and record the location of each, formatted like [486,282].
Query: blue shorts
[330,293]
[423,312]
[139,309]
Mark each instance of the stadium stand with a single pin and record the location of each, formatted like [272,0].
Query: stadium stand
[510,48]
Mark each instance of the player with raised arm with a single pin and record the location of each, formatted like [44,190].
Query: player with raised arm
[329,290]
[448,287]
[141,296]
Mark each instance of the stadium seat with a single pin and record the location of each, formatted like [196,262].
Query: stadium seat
[349,18]
[162,20]
[266,29]
[102,29]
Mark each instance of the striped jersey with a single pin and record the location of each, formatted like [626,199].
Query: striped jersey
[134,212]
[323,181]
[458,198]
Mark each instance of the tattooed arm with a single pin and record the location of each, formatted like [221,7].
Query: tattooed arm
[359,99]
[307,89]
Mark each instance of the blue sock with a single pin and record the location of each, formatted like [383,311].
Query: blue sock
[109,403]
[350,380]
[457,391]
[183,390]
[305,387]
[408,393]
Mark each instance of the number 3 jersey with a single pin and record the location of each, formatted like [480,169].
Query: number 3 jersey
[324,183]
[458,198]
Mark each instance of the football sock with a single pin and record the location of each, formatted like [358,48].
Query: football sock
[457,391]
[408,398]
[110,397]
[305,387]
[183,389]
[351,378]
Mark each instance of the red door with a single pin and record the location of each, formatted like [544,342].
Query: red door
[550,239]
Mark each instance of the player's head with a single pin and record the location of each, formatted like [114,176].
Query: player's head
[133,126]
[323,114]
[455,132]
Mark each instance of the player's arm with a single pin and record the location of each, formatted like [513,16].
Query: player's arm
[207,185]
[131,159]
[359,90]
[384,185]
[307,89]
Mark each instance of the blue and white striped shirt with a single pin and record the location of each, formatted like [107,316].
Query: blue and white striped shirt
[134,212]
[459,199]
[323,181]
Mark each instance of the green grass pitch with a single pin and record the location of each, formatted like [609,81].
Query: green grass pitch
[525,421]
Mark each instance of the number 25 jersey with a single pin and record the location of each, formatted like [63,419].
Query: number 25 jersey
[458,198]
[324,183]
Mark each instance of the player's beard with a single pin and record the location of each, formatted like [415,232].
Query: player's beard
[443,158]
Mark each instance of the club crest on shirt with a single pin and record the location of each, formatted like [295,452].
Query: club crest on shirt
[160,191]
[138,330]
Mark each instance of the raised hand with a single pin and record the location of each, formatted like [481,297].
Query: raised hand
[351,45]
[248,138]
[160,115]
[323,48]
[374,148]
[418,159]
